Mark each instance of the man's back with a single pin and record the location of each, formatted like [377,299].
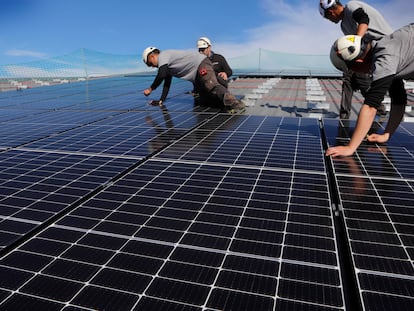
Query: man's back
[377,27]
[181,64]
[394,55]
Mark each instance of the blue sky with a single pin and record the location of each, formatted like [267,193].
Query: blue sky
[39,29]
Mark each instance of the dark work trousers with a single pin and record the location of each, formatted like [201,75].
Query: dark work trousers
[206,83]
[352,81]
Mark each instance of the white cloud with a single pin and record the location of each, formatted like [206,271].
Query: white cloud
[25,53]
[299,28]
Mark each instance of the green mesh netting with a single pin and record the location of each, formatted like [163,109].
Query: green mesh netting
[263,61]
[88,63]
[81,63]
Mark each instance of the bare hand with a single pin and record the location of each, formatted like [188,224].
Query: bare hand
[223,75]
[147,91]
[378,138]
[339,151]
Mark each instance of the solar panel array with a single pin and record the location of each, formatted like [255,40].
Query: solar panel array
[108,203]
[376,194]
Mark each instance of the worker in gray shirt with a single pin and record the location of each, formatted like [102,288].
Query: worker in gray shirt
[389,60]
[191,66]
[356,18]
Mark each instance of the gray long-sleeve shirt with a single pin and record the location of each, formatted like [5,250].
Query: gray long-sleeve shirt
[377,26]
[181,64]
[392,60]
[394,55]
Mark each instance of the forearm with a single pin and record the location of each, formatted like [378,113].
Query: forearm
[362,29]
[396,116]
[398,97]
[362,19]
[166,88]
[160,77]
[365,118]
[156,83]
[164,94]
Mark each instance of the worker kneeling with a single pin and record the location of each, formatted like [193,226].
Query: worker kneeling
[191,66]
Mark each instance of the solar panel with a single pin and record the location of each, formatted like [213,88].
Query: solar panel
[109,203]
[37,186]
[274,142]
[231,234]
[376,193]
[219,242]
[12,114]
[135,135]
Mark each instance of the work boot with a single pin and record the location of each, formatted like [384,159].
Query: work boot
[229,99]
[237,107]
[232,104]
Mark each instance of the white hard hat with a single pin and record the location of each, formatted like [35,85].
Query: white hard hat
[337,61]
[324,5]
[345,49]
[147,52]
[203,43]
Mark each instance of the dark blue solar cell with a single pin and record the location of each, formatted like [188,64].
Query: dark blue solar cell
[199,257]
[386,284]
[310,255]
[159,234]
[189,272]
[312,293]
[71,270]
[116,228]
[381,301]
[51,288]
[21,302]
[150,303]
[63,235]
[252,265]
[88,255]
[102,241]
[212,229]
[256,248]
[194,294]
[99,298]
[136,263]
[206,241]
[12,278]
[122,280]
[147,249]
[308,273]
[47,247]
[222,299]
[78,222]
[293,305]
[388,265]
[26,261]
[249,283]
